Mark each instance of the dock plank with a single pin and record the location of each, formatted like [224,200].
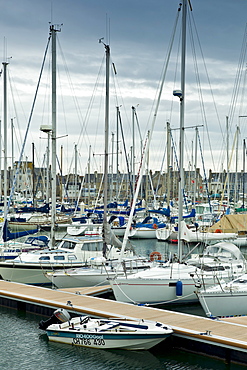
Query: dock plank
[228,332]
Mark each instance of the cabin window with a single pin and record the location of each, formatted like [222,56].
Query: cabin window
[72,257]
[68,244]
[97,246]
[210,268]
[59,258]
[242,281]
[44,258]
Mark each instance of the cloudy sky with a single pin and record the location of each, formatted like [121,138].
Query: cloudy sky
[139,33]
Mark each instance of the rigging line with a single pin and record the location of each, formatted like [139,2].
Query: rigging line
[210,86]
[84,124]
[83,134]
[241,111]
[164,69]
[122,104]
[15,110]
[204,171]
[145,152]
[125,152]
[175,74]
[200,93]
[161,169]
[64,188]
[228,165]
[73,95]
[161,85]
[28,126]
[115,82]
[238,76]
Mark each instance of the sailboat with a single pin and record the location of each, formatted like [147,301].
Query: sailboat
[71,252]
[174,281]
[225,298]
[99,270]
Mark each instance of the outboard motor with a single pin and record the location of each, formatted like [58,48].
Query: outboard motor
[60,315]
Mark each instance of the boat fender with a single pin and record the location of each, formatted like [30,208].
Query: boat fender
[155,256]
[179,288]
[218,231]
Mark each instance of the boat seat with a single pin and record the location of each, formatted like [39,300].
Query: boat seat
[108,327]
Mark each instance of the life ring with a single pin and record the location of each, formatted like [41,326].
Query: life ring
[155,226]
[155,256]
[218,231]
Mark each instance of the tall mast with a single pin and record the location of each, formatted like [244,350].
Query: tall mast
[168,181]
[76,156]
[181,142]
[227,162]
[5,136]
[133,148]
[107,51]
[53,31]
[117,179]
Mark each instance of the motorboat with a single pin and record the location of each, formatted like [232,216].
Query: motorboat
[225,298]
[104,333]
[31,267]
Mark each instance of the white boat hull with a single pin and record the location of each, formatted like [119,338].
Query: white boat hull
[118,231]
[164,234]
[142,233]
[223,304]
[174,283]
[88,278]
[107,334]
[76,230]
[151,289]
[102,342]
[33,274]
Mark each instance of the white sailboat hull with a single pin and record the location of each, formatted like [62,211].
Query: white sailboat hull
[87,278]
[142,233]
[226,298]
[160,288]
[222,304]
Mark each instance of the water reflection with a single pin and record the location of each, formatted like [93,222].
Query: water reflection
[24,345]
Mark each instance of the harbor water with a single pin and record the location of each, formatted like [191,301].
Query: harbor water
[25,346]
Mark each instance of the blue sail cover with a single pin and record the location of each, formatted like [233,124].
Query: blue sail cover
[26,209]
[164,211]
[125,204]
[7,235]
[69,210]
[192,214]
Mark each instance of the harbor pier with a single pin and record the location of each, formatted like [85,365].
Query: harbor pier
[225,338]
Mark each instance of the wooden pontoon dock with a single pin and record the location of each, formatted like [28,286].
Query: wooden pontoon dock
[226,338]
